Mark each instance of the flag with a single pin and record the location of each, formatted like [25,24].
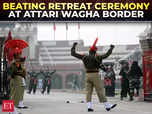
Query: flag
[78,26]
[7,51]
[66,31]
[54,27]
[9,37]
[66,26]
[79,31]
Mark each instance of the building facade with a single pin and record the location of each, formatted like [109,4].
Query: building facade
[50,55]
[25,31]
[70,71]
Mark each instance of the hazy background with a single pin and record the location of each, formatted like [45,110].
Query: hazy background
[108,33]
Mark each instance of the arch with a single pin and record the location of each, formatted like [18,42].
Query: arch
[56,81]
[72,81]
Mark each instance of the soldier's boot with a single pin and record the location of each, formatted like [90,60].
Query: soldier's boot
[90,110]
[90,107]
[21,105]
[131,98]
[48,91]
[34,91]
[109,106]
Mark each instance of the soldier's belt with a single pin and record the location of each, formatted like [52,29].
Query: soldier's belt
[21,75]
[92,71]
[18,73]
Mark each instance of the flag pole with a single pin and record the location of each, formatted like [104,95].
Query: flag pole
[66,31]
[78,31]
[54,27]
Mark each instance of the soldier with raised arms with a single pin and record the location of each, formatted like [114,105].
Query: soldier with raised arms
[92,64]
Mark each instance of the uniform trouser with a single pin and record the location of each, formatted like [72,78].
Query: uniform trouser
[124,88]
[12,88]
[109,87]
[30,86]
[17,90]
[93,81]
[113,88]
[48,88]
[22,93]
[44,87]
[134,84]
[33,88]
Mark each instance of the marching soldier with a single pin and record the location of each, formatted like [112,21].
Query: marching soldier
[47,81]
[92,64]
[33,83]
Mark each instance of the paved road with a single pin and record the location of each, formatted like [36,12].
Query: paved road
[55,103]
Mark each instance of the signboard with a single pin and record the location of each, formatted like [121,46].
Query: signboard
[68,10]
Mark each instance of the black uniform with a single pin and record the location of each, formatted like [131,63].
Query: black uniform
[33,82]
[47,81]
[124,81]
[134,78]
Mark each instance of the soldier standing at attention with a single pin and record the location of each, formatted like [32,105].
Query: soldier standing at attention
[17,70]
[18,74]
[92,64]
[21,104]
